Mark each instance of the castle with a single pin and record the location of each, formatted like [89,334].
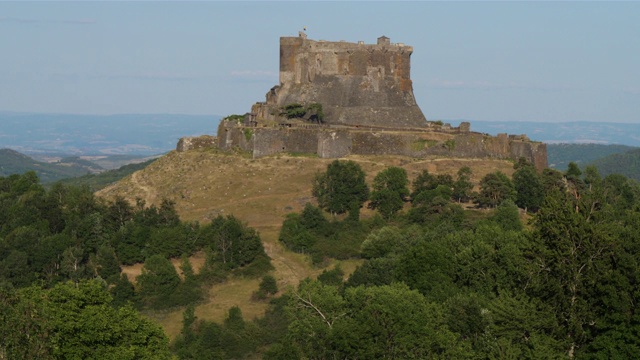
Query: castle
[339,98]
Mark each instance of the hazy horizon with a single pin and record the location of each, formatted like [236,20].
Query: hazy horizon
[481,61]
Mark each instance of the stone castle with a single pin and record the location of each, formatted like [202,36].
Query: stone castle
[339,98]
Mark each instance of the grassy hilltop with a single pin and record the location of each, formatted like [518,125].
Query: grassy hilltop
[207,183]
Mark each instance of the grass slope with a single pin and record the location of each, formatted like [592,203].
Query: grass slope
[206,183]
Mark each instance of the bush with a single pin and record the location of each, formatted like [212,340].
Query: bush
[268,286]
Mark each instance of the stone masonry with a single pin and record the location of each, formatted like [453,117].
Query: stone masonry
[366,95]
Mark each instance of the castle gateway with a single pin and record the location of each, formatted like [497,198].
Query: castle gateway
[339,98]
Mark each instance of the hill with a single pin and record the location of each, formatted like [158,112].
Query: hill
[96,182]
[579,132]
[560,155]
[121,134]
[627,164]
[208,183]
[13,162]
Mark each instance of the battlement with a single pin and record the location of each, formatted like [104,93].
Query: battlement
[338,98]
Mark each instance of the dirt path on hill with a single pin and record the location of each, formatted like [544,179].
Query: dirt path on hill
[290,267]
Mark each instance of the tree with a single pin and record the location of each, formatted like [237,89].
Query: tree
[552,179]
[574,251]
[76,321]
[494,189]
[295,236]
[158,281]
[341,187]
[426,181]
[389,191]
[507,216]
[393,322]
[269,285]
[528,186]
[107,265]
[382,242]
[463,187]
[332,277]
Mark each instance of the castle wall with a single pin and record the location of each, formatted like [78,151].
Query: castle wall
[329,142]
[357,84]
[199,142]
[278,140]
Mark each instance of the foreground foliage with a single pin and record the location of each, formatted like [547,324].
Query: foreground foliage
[75,321]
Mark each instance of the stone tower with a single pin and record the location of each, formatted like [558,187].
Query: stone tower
[357,84]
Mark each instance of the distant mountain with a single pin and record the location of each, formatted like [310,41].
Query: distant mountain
[570,132]
[139,134]
[13,162]
[560,155]
[627,164]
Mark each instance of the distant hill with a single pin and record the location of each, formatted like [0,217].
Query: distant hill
[122,134]
[604,133]
[560,155]
[13,162]
[99,181]
[74,170]
[627,164]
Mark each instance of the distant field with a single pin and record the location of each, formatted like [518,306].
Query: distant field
[80,135]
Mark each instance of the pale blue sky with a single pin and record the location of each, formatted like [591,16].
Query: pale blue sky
[503,61]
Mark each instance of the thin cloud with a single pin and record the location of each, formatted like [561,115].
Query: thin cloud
[46,21]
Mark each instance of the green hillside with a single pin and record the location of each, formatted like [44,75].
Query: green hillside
[99,181]
[627,164]
[560,155]
[13,162]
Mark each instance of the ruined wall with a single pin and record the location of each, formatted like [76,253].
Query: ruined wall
[356,83]
[199,142]
[329,142]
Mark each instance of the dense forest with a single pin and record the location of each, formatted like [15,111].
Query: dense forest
[536,265]
[560,155]
[627,164]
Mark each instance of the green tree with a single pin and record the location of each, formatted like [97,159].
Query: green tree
[393,322]
[76,321]
[332,277]
[269,285]
[494,189]
[389,191]
[574,248]
[123,292]
[528,185]
[382,242]
[341,187]
[158,281]
[107,265]
[463,187]
[507,216]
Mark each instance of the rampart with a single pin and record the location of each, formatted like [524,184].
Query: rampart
[337,99]
[335,142]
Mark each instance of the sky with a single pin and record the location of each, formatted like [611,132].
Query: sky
[494,61]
